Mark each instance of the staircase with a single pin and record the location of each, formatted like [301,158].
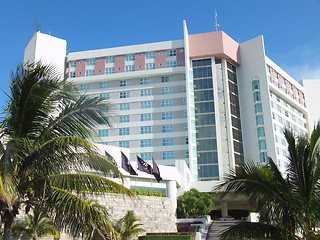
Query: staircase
[216,228]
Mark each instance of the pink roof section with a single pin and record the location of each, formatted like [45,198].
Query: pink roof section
[216,44]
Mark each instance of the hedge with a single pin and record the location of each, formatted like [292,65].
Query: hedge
[165,237]
[149,193]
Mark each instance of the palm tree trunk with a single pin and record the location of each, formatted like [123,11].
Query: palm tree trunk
[8,220]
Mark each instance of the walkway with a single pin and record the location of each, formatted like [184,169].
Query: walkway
[217,228]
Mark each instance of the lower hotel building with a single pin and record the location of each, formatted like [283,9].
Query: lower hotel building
[205,99]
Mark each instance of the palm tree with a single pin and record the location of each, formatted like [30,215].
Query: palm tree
[37,225]
[45,160]
[129,226]
[289,204]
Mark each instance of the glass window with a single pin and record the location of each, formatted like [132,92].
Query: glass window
[124,131]
[166,155]
[124,106]
[130,68]
[258,107]
[125,94]
[89,72]
[145,104]
[104,108]
[84,87]
[130,57]
[150,55]
[167,103]
[110,59]
[150,66]
[104,85]
[145,156]
[124,118]
[103,133]
[262,144]
[145,130]
[166,79]
[255,84]
[263,157]
[261,132]
[124,83]
[145,117]
[167,115]
[166,90]
[145,92]
[73,63]
[168,128]
[257,96]
[104,95]
[124,144]
[72,74]
[145,143]
[90,62]
[185,127]
[259,119]
[146,80]
[167,141]
[171,63]
[110,70]
[172,52]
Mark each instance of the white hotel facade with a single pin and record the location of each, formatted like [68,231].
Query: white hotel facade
[206,100]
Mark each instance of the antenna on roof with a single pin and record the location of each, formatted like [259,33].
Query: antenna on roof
[216,20]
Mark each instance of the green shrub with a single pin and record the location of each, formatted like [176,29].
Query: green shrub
[165,237]
[149,193]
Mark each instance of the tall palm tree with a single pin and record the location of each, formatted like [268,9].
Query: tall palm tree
[46,160]
[289,204]
[129,226]
[37,225]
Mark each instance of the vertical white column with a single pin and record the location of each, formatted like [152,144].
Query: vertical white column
[224,208]
[172,194]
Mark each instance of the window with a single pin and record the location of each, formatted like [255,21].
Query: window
[185,113]
[124,106]
[150,66]
[166,90]
[171,53]
[146,80]
[167,103]
[167,115]
[262,144]
[72,74]
[171,63]
[124,131]
[166,79]
[263,157]
[105,95]
[84,87]
[110,70]
[104,85]
[167,155]
[150,55]
[125,94]
[167,141]
[184,88]
[73,64]
[110,59]
[104,108]
[168,128]
[124,144]
[258,107]
[185,127]
[145,130]
[130,68]
[255,84]
[124,118]
[145,143]
[145,156]
[103,133]
[145,117]
[146,104]
[124,83]
[130,57]
[259,119]
[90,62]
[256,96]
[89,72]
[261,132]
[184,101]
[145,92]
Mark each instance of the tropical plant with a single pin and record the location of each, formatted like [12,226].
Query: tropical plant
[289,203]
[37,225]
[45,160]
[194,204]
[129,226]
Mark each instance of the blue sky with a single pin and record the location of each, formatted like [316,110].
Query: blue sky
[290,27]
